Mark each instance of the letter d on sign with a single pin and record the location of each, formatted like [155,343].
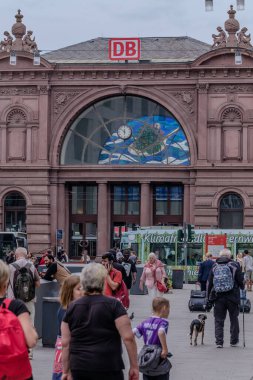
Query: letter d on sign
[118,48]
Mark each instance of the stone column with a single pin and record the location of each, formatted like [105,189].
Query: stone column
[186,210]
[146,207]
[244,146]
[102,219]
[3,143]
[61,208]
[53,208]
[28,143]
[43,123]
[202,121]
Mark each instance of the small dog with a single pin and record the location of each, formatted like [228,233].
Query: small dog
[198,326]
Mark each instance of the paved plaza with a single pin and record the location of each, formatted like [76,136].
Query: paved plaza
[189,362]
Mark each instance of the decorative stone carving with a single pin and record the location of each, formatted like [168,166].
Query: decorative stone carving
[43,89]
[29,44]
[232,38]
[6,44]
[23,41]
[186,98]
[231,114]
[18,91]
[16,116]
[62,99]
[232,89]
[219,40]
[244,39]
[203,88]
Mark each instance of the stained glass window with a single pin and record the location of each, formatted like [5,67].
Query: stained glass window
[125,130]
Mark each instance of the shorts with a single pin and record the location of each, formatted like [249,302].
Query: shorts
[248,275]
[84,375]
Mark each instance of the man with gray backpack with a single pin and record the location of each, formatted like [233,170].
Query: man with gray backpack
[24,278]
[223,289]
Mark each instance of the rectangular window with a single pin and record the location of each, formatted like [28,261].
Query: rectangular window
[176,200]
[119,199]
[133,200]
[77,200]
[91,200]
[161,200]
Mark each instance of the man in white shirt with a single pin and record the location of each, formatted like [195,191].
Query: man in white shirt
[13,291]
[248,265]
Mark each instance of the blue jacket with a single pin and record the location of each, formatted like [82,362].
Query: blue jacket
[204,270]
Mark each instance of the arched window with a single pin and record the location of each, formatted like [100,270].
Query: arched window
[231,211]
[125,130]
[14,212]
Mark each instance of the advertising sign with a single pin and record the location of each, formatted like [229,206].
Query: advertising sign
[215,243]
[124,49]
[59,234]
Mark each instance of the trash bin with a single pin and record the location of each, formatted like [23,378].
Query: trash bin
[49,321]
[46,289]
[177,278]
[135,290]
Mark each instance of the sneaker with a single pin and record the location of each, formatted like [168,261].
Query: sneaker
[234,344]
[219,346]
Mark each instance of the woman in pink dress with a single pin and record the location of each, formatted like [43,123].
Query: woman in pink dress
[153,271]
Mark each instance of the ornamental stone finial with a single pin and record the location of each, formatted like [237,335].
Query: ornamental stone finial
[23,41]
[232,26]
[18,29]
[231,38]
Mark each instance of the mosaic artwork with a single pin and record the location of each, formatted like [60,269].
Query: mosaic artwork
[147,140]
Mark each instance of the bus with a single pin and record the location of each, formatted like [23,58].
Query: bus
[9,241]
[163,242]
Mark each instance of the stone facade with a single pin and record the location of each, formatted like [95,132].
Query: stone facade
[210,96]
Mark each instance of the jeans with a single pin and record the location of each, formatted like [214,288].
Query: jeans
[222,305]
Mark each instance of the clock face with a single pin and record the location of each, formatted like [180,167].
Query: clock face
[124,132]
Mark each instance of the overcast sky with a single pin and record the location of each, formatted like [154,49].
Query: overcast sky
[59,23]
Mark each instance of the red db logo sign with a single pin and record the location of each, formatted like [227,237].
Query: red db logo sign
[124,49]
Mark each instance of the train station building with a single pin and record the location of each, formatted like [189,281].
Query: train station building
[93,145]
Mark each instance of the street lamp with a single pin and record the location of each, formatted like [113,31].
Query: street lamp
[238,57]
[36,58]
[209,5]
[13,58]
[240,5]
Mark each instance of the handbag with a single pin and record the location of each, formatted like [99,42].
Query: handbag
[161,287]
[58,366]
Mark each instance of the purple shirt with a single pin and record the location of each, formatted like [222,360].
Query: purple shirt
[149,328]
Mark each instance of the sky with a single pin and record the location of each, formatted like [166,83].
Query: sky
[60,23]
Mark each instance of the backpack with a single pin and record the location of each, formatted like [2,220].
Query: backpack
[128,267]
[223,280]
[122,295]
[14,361]
[23,282]
[150,361]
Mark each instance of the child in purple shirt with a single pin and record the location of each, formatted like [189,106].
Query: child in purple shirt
[154,330]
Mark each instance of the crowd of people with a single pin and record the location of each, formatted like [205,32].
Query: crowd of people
[89,347]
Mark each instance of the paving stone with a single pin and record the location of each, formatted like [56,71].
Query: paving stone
[189,362]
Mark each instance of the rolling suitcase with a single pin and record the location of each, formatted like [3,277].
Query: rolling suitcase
[244,302]
[197,300]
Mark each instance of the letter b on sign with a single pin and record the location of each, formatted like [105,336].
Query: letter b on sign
[124,49]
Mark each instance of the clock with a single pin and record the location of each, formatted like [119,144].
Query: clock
[124,132]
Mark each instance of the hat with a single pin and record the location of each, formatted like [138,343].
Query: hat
[119,255]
